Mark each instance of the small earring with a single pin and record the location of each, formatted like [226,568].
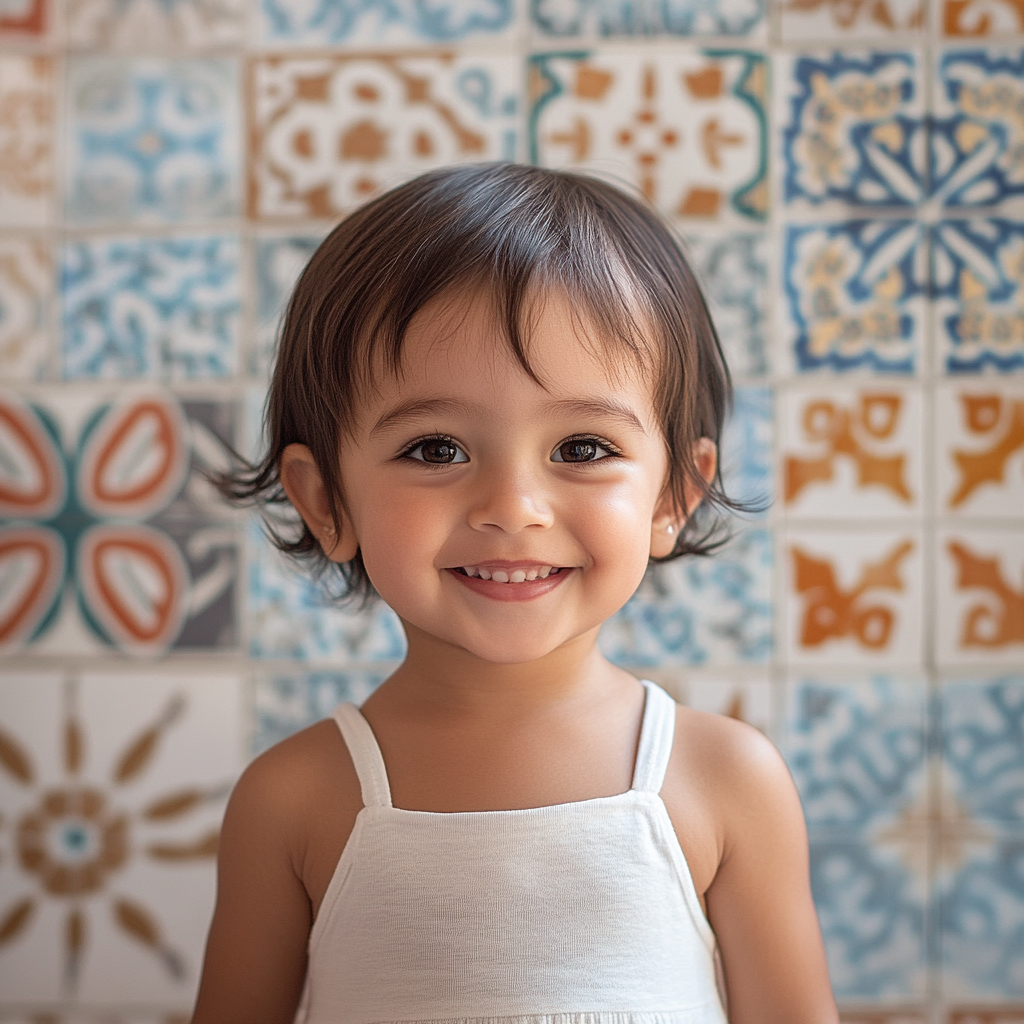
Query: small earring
[670,529]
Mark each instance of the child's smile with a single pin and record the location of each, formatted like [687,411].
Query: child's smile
[495,514]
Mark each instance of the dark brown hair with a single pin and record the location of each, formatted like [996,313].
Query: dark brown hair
[510,229]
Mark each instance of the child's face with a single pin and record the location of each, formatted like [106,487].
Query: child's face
[465,463]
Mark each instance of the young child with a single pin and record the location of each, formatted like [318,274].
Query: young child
[497,399]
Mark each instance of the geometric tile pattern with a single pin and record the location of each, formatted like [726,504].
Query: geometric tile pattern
[618,19]
[26,139]
[129,23]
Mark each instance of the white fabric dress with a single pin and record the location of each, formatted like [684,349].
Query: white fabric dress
[579,913]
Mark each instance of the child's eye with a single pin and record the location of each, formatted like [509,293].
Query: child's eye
[437,451]
[583,449]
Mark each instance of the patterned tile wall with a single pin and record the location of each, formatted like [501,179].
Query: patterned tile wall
[849,178]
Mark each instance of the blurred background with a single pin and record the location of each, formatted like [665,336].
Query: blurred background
[849,177]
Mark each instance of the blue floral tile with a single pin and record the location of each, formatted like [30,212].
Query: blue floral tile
[746,448]
[978,293]
[152,140]
[733,269]
[857,753]
[291,616]
[854,296]
[697,611]
[377,22]
[981,921]
[278,263]
[163,309]
[872,906]
[288,702]
[981,741]
[977,136]
[560,19]
[852,129]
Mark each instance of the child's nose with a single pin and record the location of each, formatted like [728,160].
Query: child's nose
[510,500]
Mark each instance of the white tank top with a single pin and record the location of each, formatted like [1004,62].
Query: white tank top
[579,913]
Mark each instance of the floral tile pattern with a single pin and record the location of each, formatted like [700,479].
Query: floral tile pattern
[980,613]
[977,279]
[687,128]
[746,448]
[853,597]
[292,617]
[734,271]
[24,18]
[826,19]
[329,132]
[977,136]
[748,700]
[965,18]
[979,451]
[852,452]
[127,23]
[110,539]
[560,19]
[152,140]
[852,129]
[26,142]
[113,787]
[693,611]
[26,289]
[377,23]
[854,296]
[288,702]
[163,309]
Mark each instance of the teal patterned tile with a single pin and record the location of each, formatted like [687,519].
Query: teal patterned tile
[620,19]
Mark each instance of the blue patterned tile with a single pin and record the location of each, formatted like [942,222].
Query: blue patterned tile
[291,616]
[857,752]
[981,922]
[854,296]
[288,702]
[376,22]
[978,291]
[278,263]
[697,611]
[977,136]
[981,741]
[562,19]
[153,308]
[734,271]
[152,140]
[852,129]
[872,904]
[746,449]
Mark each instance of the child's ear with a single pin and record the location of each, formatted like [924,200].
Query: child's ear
[305,489]
[668,520]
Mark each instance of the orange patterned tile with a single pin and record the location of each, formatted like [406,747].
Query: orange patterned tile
[26,142]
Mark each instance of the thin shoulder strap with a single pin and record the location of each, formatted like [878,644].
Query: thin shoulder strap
[656,734]
[366,756]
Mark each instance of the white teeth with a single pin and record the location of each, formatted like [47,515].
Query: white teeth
[518,576]
[532,574]
[484,574]
[545,571]
[469,570]
[515,576]
[499,577]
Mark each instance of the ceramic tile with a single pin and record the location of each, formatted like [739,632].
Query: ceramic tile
[287,702]
[853,597]
[856,749]
[747,700]
[291,616]
[110,537]
[981,743]
[619,19]
[158,309]
[977,134]
[151,140]
[328,132]
[848,452]
[995,18]
[853,296]
[979,451]
[883,1015]
[985,1015]
[134,23]
[871,902]
[278,263]
[833,20]
[981,921]
[25,18]
[112,807]
[851,129]
[980,596]
[977,273]
[26,289]
[746,447]
[733,269]
[686,127]
[26,143]
[330,23]
[696,611]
